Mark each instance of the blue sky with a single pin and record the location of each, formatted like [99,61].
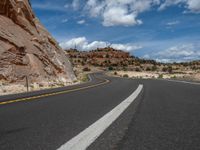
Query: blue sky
[165,30]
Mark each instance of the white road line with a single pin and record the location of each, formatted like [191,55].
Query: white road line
[84,139]
[187,82]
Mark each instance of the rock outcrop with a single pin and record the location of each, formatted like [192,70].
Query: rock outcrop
[103,57]
[26,47]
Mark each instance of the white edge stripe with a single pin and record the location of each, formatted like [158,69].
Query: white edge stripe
[84,139]
[187,82]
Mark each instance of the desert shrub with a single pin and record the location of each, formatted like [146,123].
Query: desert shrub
[137,64]
[148,69]
[194,68]
[82,63]
[154,68]
[160,76]
[84,78]
[110,68]
[125,76]
[137,69]
[170,69]
[164,69]
[174,77]
[86,69]
[124,69]
[115,73]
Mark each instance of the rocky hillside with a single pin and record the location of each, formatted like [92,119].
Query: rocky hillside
[111,59]
[26,47]
[108,58]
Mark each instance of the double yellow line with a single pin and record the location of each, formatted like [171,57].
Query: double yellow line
[53,94]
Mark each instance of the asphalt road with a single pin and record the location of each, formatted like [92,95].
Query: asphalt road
[48,122]
[166,116]
[168,119]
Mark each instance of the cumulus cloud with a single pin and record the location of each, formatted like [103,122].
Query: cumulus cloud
[191,5]
[180,53]
[83,44]
[119,12]
[194,6]
[126,12]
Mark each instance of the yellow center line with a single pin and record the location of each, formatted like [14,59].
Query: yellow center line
[53,94]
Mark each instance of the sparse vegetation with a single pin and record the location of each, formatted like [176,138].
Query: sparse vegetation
[109,59]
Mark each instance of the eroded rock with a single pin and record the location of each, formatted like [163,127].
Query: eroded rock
[26,47]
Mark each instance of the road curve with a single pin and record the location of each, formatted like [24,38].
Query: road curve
[46,123]
[165,116]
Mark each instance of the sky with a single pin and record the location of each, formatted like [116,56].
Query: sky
[164,30]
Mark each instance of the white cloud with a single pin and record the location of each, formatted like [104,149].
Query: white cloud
[173,23]
[83,44]
[126,47]
[194,5]
[191,5]
[119,12]
[126,12]
[120,16]
[179,53]
[75,4]
[168,3]
[81,22]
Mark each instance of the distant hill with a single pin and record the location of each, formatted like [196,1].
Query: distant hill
[109,58]
[112,59]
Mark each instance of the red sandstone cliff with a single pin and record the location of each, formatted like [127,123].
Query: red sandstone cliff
[26,47]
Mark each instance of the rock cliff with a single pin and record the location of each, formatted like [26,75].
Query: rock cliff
[26,47]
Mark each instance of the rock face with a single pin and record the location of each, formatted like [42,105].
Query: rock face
[26,47]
